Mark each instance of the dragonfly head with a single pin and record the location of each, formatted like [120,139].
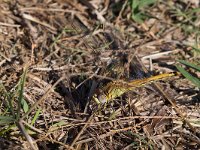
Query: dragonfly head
[100,98]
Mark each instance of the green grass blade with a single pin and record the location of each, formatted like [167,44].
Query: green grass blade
[196,48]
[7,98]
[144,3]
[193,79]
[3,131]
[195,10]
[21,91]
[134,5]
[195,67]
[35,116]
[25,105]
[137,17]
[6,120]
[5,94]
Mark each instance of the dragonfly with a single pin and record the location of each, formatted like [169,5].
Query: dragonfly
[117,88]
[115,69]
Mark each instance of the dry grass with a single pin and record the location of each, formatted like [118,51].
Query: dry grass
[55,54]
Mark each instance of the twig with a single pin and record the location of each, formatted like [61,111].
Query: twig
[36,20]
[121,11]
[27,9]
[84,127]
[158,55]
[9,25]
[28,138]
[31,127]
[112,132]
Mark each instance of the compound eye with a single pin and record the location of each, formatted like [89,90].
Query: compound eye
[102,98]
